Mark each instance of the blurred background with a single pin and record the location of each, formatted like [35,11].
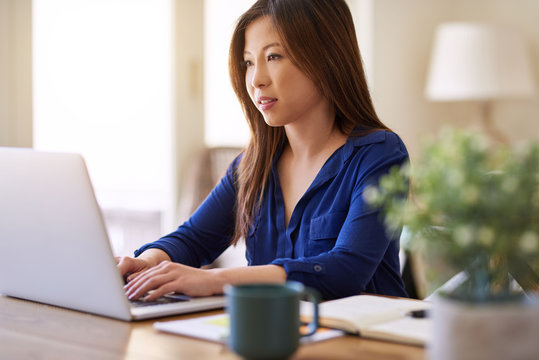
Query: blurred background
[141,89]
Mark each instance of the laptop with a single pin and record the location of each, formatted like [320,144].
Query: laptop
[54,246]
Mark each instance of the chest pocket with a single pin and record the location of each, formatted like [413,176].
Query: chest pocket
[324,231]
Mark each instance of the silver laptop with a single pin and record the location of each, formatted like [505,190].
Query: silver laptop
[54,248]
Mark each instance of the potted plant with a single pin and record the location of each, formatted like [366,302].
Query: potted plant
[473,208]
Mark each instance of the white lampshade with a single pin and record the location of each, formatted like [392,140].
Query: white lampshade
[477,61]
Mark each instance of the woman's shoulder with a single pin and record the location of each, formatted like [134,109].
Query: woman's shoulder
[375,152]
[379,141]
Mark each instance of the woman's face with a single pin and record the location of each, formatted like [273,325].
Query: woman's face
[280,91]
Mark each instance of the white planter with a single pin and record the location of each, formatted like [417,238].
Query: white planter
[504,331]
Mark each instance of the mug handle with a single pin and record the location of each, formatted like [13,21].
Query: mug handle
[312,296]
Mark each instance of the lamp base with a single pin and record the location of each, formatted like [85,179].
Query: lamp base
[486,121]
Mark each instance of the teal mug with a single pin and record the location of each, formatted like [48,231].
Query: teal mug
[264,318]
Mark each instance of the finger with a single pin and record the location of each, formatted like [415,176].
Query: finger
[132,276]
[142,278]
[163,266]
[130,266]
[122,267]
[132,288]
[152,283]
[138,273]
[166,288]
[135,280]
[125,265]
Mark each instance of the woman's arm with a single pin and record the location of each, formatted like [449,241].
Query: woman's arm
[172,263]
[207,233]
[168,277]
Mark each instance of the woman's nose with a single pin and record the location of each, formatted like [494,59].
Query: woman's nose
[259,76]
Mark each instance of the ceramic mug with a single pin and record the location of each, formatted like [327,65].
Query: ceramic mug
[264,318]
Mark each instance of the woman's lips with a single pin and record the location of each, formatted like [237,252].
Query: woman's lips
[266,103]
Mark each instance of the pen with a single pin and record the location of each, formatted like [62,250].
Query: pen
[418,314]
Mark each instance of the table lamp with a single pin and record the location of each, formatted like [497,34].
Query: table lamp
[479,62]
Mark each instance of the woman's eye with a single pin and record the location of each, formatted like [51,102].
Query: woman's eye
[246,63]
[274,57]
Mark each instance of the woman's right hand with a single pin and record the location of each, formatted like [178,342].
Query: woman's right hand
[129,266]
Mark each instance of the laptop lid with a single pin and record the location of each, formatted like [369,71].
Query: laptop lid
[53,241]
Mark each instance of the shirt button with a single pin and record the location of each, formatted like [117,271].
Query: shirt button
[317,268]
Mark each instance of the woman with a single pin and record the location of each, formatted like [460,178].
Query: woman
[295,195]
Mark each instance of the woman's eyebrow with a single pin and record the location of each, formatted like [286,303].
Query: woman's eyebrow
[265,47]
[271,45]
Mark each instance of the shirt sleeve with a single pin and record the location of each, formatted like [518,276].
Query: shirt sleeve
[208,232]
[365,256]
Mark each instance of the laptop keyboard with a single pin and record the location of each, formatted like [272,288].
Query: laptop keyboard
[165,299]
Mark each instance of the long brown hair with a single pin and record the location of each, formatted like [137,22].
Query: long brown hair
[320,38]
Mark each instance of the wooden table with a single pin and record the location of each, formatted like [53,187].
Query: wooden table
[35,331]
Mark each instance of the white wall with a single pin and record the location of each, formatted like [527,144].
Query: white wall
[402,39]
[16,73]
[224,119]
[105,91]
[188,133]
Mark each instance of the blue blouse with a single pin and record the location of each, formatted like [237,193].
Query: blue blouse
[334,241]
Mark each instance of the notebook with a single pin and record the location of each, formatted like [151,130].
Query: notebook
[54,245]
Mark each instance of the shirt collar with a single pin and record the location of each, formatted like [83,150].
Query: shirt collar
[354,141]
[339,158]
[358,141]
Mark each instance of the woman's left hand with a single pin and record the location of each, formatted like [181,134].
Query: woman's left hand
[172,277]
